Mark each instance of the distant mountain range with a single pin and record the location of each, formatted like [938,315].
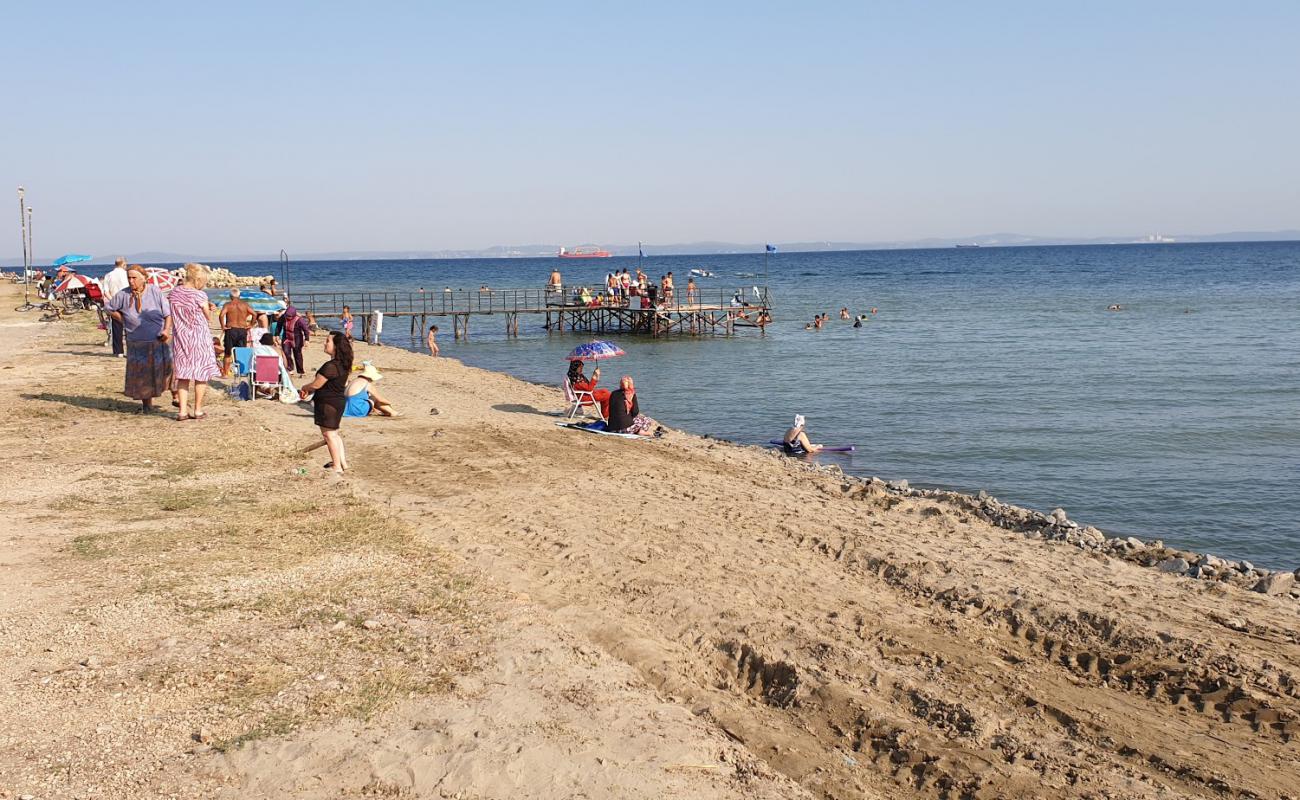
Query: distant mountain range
[697,248]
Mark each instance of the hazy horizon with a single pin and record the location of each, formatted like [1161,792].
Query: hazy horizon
[331,128]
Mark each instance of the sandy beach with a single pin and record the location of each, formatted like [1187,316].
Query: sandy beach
[490,606]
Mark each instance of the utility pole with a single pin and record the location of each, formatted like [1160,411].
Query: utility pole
[284,272]
[22,223]
[31,249]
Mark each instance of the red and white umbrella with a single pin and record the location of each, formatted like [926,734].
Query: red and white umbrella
[73,280]
[161,278]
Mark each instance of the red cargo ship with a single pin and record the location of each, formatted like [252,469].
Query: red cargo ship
[584,252]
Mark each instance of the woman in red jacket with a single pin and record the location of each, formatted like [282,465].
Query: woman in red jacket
[580,383]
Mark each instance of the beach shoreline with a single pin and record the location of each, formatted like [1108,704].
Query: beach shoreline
[681,616]
[1053,526]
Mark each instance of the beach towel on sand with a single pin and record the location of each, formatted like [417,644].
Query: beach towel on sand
[590,428]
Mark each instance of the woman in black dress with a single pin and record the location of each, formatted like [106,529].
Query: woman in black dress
[328,391]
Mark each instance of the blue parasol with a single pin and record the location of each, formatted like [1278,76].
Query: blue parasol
[594,351]
[70,258]
[261,302]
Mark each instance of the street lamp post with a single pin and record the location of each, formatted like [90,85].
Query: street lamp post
[22,222]
[31,251]
[284,271]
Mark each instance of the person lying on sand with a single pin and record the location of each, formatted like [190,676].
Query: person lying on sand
[795,442]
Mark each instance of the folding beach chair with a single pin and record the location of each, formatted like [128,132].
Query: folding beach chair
[242,358]
[576,400]
[265,375]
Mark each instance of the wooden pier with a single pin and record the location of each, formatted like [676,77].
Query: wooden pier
[714,311]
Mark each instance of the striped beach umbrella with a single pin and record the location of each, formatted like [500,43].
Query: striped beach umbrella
[161,278]
[73,281]
[595,351]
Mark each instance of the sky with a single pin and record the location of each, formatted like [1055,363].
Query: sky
[318,126]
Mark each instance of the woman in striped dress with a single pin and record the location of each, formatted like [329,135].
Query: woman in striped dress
[193,361]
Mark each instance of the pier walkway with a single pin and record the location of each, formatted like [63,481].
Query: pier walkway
[709,311]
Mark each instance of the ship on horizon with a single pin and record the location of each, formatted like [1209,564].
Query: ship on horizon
[584,252]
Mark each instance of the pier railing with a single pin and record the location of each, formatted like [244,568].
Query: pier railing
[490,301]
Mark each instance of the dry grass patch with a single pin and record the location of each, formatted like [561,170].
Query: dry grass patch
[302,610]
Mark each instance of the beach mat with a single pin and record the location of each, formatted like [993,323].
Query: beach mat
[576,426]
[833,448]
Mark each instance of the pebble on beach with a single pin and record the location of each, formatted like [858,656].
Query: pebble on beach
[1277,583]
[1175,565]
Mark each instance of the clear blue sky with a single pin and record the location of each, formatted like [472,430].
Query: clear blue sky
[246,127]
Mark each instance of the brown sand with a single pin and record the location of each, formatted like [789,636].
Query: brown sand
[493,607]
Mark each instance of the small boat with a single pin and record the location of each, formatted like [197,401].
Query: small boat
[964,246]
[584,252]
[701,273]
[746,275]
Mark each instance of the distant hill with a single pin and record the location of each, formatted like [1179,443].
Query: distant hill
[694,248]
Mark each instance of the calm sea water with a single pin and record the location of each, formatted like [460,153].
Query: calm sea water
[991,368]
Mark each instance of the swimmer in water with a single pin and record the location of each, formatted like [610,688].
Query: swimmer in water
[844,313]
[857,322]
[795,442]
[1115,307]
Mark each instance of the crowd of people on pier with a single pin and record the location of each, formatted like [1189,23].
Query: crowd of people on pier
[624,289]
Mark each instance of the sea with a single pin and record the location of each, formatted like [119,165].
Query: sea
[995,368]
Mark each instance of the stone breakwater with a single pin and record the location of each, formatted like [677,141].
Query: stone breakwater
[222,278]
[1058,527]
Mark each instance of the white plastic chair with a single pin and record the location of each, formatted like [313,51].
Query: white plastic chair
[576,400]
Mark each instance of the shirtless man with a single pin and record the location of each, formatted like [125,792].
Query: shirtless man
[555,284]
[236,318]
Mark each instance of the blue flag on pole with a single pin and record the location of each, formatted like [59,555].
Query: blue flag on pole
[771,249]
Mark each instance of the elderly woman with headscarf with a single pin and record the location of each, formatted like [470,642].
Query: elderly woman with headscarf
[580,383]
[795,442]
[146,318]
[194,361]
[625,412]
[296,334]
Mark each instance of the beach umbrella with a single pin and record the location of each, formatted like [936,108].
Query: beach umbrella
[73,281]
[261,302]
[161,278]
[595,351]
[70,258]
